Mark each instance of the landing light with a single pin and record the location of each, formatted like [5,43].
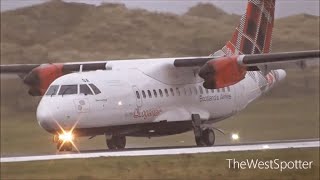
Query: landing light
[66,137]
[235,136]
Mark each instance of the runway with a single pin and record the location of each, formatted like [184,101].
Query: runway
[172,151]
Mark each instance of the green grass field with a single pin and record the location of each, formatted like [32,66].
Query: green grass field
[196,166]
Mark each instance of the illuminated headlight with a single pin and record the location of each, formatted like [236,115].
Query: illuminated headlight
[235,136]
[67,136]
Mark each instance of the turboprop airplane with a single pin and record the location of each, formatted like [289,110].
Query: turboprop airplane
[160,97]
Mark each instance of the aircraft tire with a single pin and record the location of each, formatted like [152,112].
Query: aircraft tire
[200,142]
[120,142]
[208,137]
[68,146]
[111,145]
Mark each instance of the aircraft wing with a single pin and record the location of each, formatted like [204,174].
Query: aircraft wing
[219,72]
[256,62]
[39,76]
[65,67]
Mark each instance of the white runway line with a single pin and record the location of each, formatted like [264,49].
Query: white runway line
[225,148]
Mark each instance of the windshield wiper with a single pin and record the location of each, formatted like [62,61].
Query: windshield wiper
[64,91]
[54,92]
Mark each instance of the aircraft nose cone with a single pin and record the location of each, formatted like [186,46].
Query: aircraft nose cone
[45,119]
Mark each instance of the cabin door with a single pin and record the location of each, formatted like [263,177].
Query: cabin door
[138,96]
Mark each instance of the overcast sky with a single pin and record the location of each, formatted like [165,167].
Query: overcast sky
[284,7]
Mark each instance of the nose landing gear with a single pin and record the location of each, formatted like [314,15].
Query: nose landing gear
[116,142]
[62,145]
[203,136]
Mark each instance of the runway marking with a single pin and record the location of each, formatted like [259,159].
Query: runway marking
[154,152]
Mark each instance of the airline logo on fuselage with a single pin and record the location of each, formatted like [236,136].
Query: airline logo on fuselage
[215,97]
[147,113]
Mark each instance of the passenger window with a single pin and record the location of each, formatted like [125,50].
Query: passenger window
[195,90]
[95,89]
[84,89]
[155,93]
[144,94]
[68,89]
[149,94]
[200,90]
[212,90]
[207,91]
[190,90]
[160,92]
[166,91]
[52,90]
[223,90]
[218,90]
[178,91]
[228,89]
[138,94]
[172,92]
[185,91]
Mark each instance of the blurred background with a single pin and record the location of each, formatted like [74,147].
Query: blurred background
[61,31]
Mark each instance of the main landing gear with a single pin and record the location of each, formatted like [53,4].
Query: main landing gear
[116,142]
[203,136]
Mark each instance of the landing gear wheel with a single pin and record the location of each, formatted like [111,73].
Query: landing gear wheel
[116,142]
[200,142]
[110,143]
[208,137]
[120,142]
[67,146]
[204,136]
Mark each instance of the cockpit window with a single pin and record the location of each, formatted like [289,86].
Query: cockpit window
[68,89]
[95,89]
[52,90]
[84,89]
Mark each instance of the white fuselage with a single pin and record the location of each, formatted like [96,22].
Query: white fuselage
[147,91]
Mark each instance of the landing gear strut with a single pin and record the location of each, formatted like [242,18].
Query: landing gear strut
[116,142]
[203,136]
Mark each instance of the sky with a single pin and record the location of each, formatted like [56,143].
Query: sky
[283,7]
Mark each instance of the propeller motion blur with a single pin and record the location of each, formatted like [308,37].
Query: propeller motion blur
[159,97]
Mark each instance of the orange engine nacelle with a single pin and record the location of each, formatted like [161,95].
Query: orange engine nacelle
[40,78]
[222,72]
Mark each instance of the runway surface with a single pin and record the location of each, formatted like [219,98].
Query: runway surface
[171,151]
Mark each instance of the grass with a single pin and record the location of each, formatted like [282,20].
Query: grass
[195,166]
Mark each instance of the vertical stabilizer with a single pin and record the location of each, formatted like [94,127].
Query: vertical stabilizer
[254,33]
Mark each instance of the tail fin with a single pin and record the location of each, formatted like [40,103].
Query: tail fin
[254,33]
